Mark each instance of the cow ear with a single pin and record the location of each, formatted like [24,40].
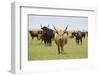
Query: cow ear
[65,32]
[57,32]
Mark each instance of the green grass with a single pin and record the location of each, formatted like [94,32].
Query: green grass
[37,50]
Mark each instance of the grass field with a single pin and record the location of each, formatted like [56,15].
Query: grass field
[37,50]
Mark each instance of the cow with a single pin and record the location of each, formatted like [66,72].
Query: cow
[35,33]
[78,36]
[61,38]
[87,33]
[40,34]
[47,35]
[83,34]
[72,34]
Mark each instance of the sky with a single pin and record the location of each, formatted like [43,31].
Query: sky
[60,22]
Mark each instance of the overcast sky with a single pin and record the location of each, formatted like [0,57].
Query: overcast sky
[60,22]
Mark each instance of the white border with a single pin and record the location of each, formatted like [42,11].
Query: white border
[19,58]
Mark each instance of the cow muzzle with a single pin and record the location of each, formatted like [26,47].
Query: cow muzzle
[61,40]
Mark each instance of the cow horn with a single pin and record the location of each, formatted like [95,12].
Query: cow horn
[41,25]
[48,25]
[55,29]
[66,28]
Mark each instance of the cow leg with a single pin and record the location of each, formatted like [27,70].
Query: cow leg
[41,40]
[45,42]
[62,49]
[50,42]
[76,41]
[58,50]
[32,38]
[81,41]
[37,37]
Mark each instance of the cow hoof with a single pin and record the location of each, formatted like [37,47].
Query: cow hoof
[62,52]
[58,53]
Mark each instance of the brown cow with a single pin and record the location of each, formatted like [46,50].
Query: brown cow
[36,33]
[61,38]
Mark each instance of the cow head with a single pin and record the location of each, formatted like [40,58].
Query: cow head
[60,33]
[44,28]
[40,32]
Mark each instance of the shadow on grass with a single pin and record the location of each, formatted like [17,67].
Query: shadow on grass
[65,53]
[10,71]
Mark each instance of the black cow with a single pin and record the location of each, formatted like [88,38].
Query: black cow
[47,35]
[87,33]
[83,34]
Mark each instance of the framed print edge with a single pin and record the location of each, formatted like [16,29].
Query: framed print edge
[17,59]
[15,38]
